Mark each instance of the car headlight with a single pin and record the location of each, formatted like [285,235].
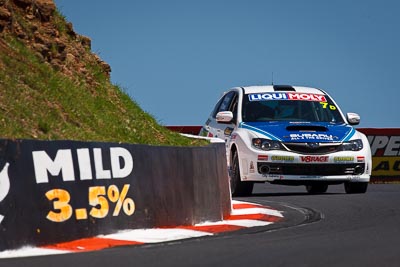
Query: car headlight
[353,145]
[265,144]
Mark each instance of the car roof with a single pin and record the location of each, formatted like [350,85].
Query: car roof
[281,88]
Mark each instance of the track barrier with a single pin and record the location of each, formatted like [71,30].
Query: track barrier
[56,191]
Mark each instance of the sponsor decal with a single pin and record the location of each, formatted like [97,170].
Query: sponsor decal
[386,166]
[282,158]
[312,136]
[262,157]
[63,163]
[98,197]
[343,159]
[314,158]
[287,96]
[308,97]
[251,169]
[385,145]
[233,136]
[385,150]
[228,131]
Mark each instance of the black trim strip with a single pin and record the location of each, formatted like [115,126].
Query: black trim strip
[284,88]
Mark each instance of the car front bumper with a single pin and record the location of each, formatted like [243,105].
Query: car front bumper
[283,167]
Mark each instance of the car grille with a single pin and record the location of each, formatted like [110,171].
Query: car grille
[311,169]
[313,148]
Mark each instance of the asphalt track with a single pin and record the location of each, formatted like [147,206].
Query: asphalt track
[333,229]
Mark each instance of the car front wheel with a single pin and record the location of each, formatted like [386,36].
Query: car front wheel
[355,187]
[316,188]
[238,187]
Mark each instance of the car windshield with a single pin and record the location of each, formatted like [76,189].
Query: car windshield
[263,107]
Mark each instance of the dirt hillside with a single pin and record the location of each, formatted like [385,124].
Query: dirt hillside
[52,86]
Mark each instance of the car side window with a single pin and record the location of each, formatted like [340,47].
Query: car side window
[225,104]
[234,107]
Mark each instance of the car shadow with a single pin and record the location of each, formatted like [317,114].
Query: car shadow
[285,194]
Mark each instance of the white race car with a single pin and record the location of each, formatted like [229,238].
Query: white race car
[289,135]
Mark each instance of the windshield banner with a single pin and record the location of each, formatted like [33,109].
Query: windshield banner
[287,96]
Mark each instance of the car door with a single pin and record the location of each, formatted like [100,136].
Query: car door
[228,102]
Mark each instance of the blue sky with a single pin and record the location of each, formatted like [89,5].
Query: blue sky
[176,57]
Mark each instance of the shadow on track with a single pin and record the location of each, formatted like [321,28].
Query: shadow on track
[288,194]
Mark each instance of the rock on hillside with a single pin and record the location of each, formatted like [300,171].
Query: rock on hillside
[39,25]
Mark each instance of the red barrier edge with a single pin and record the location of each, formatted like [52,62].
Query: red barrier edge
[195,130]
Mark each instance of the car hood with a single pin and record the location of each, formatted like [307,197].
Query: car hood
[321,132]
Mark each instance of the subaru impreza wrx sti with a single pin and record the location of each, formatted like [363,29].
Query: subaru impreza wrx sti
[289,135]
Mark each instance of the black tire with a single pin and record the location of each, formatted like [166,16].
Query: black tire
[238,187]
[355,187]
[316,188]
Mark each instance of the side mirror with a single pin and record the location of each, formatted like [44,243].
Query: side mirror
[353,118]
[224,117]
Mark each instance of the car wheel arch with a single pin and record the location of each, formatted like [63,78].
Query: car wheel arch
[233,151]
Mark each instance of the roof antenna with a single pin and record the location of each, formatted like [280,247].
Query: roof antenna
[272,82]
